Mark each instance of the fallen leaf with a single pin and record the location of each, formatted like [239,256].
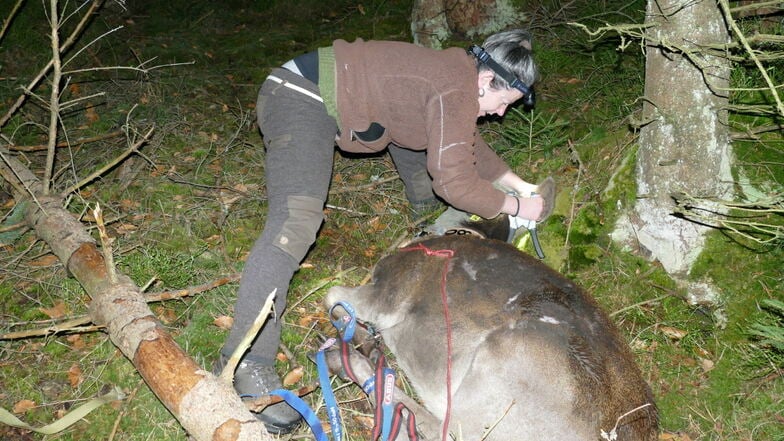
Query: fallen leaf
[124,228]
[308,319]
[76,341]
[57,311]
[129,204]
[281,357]
[44,261]
[707,365]
[294,376]
[365,421]
[223,322]
[75,375]
[376,225]
[370,251]
[23,406]
[91,115]
[165,315]
[673,333]
[676,436]
[639,345]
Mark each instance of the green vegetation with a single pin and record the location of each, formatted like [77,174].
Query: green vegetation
[188,209]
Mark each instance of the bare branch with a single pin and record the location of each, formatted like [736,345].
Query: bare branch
[132,149]
[10,18]
[54,101]
[725,8]
[80,142]
[138,68]
[82,324]
[753,6]
[45,70]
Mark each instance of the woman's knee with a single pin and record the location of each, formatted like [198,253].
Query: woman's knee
[305,215]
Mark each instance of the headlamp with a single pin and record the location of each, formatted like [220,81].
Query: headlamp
[529,97]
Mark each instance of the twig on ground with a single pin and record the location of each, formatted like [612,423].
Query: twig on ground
[319,285]
[124,410]
[492,426]
[638,304]
[575,158]
[40,147]
[231,364]
[613,434]
[363,187]
[258,404]
[106,245]
[348,210]
[76,325]
[132,149]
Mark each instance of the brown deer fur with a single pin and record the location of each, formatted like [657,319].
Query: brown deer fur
[531,351]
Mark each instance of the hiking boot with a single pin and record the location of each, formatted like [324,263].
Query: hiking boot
[450,218]
[253,380]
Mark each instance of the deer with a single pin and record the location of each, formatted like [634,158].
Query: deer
[498,346]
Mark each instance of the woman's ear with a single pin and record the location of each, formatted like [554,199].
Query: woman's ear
[484,78]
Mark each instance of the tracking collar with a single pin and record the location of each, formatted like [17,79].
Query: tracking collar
[529,97]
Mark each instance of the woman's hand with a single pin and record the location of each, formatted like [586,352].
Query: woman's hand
[511,182]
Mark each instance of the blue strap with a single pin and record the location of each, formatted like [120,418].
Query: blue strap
[388,402]
[345,327]
[307,413]
[333,412]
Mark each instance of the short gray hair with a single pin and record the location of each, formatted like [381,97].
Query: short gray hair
[512,50]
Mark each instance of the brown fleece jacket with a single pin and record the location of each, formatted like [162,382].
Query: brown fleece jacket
[426,99]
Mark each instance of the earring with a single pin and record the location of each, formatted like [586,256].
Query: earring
[482,92]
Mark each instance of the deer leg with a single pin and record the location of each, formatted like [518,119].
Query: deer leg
[428,426]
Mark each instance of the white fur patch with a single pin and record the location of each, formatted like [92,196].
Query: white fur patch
[468,268]
[548,319]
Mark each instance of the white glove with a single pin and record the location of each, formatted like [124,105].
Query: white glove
[517,222]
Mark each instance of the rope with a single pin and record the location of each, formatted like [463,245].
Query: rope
[448,254]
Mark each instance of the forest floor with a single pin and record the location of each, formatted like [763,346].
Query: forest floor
[187,209]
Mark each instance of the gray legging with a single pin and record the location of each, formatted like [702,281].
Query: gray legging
[299,137]
[412,167]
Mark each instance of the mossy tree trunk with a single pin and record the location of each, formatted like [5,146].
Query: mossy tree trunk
[206,407]
[434,21]
[684,146]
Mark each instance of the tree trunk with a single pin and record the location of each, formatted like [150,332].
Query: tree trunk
[428,23]
[685,146]
[206,407]
[434,21]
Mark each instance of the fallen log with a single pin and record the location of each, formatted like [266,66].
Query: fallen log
[206,407]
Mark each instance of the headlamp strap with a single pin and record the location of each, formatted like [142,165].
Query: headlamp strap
[484,57]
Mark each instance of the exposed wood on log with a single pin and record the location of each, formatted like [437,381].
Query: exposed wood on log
[206,407]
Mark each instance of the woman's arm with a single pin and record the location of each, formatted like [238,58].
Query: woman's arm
[511,181]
